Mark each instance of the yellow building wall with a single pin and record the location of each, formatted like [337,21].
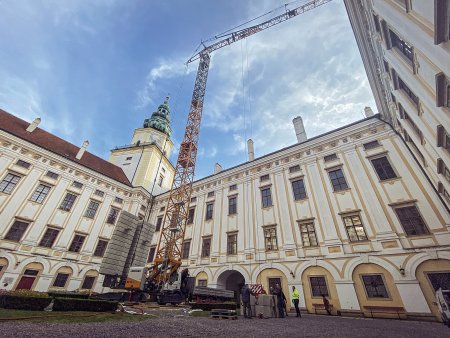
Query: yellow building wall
[316,271]
[438,265]
[394,299]
[201,275]
[263,278]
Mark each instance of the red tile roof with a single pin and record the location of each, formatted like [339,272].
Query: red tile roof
[17,127]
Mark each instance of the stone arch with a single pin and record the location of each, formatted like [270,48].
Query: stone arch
[412,265]
[351,266]
[276,266]
[60,265]
[196,272]
[63,269]
[427,273]
[26,279]
[232,280]
[4,263]
[300,269]
[10,258]
[45,264]
[318,280]
[89,284]
[237,268]
[375,286]
[266,275]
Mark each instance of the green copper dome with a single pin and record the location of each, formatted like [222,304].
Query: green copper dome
[160,119]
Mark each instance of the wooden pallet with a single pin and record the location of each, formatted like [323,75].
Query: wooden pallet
[223,314]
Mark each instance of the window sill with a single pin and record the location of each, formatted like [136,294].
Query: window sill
[343,191]
[301,199]
[391,180]
[233,214]
[267,207]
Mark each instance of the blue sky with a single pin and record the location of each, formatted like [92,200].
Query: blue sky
[96,69]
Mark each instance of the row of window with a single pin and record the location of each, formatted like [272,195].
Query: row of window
[62,279]
[409,217]
[17,230]
[381,165]
[10,181]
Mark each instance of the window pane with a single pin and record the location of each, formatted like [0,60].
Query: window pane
[8,183]
[88,282]
[17,230]
[77,243]
[101,248]
[375,287]
[61,280]
[411,220]
[49,238]
[40,193]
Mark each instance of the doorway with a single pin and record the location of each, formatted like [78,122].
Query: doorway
[27,280]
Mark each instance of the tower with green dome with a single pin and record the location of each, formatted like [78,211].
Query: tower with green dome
[145,160]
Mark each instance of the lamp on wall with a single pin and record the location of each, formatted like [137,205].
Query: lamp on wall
[292,274]
[402,270]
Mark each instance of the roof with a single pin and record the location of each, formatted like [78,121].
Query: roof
[41,138]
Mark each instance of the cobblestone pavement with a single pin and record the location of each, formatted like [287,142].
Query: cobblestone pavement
[307,326]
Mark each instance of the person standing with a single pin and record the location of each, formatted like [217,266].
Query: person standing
[280,302]
[326,304]
[295,300]
[245,295]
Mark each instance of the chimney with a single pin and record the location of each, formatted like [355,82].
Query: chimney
[368,112]
[217,168]
[82,150]
[250,149]
[33,125]
[299,129]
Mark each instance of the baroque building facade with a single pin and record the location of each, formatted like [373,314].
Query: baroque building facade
[64,212]
[348,214]
[405,49]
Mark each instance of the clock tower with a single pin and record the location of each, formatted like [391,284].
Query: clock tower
[146,160]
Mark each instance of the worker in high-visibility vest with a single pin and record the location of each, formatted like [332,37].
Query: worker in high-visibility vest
[295,300]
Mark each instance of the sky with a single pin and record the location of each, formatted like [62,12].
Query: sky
[94,70]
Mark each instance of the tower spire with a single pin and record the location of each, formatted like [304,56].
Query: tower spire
[160,119]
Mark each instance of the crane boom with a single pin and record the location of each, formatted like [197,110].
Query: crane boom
[246,32]
[168,254]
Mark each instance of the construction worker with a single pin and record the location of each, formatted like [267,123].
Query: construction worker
[280,301]
[245,294]
[295,300]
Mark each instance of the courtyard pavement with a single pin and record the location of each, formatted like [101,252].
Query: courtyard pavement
[307,326]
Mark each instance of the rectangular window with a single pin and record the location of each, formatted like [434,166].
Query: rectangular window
[330,157]
[371,145]
[270,239]
[294,169]
[411,221]
[383,168]
[118,200]
[405,48]
[233,187]
[338,180]
[40,193]
[374,286]
[264,178]
[266,197]
[211,194]
[112,216]
[101,248]
[308,233]
[88,282]
[209,211]
[61,280]
[99,193]
[49,238]
[52,175]
[151,254]
[318,286]
[77,185]
[162,209]
[206,247]
[77,243]
[202,282]
[232,205]
[298,187]
[185,250]
[443,138]
[232,244]
[376,23]
[91,210]
[9,183]
[128,158]
[408,92]
[413,125]
[160,180]
[191,214]
[439,280]
[68,202]
[158,223]
[23,164]
[16,231]
[355,229]
[193,199]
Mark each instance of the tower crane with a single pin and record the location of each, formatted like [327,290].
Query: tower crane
[168,254]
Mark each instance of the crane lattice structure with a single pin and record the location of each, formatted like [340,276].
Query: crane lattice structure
[168,254]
